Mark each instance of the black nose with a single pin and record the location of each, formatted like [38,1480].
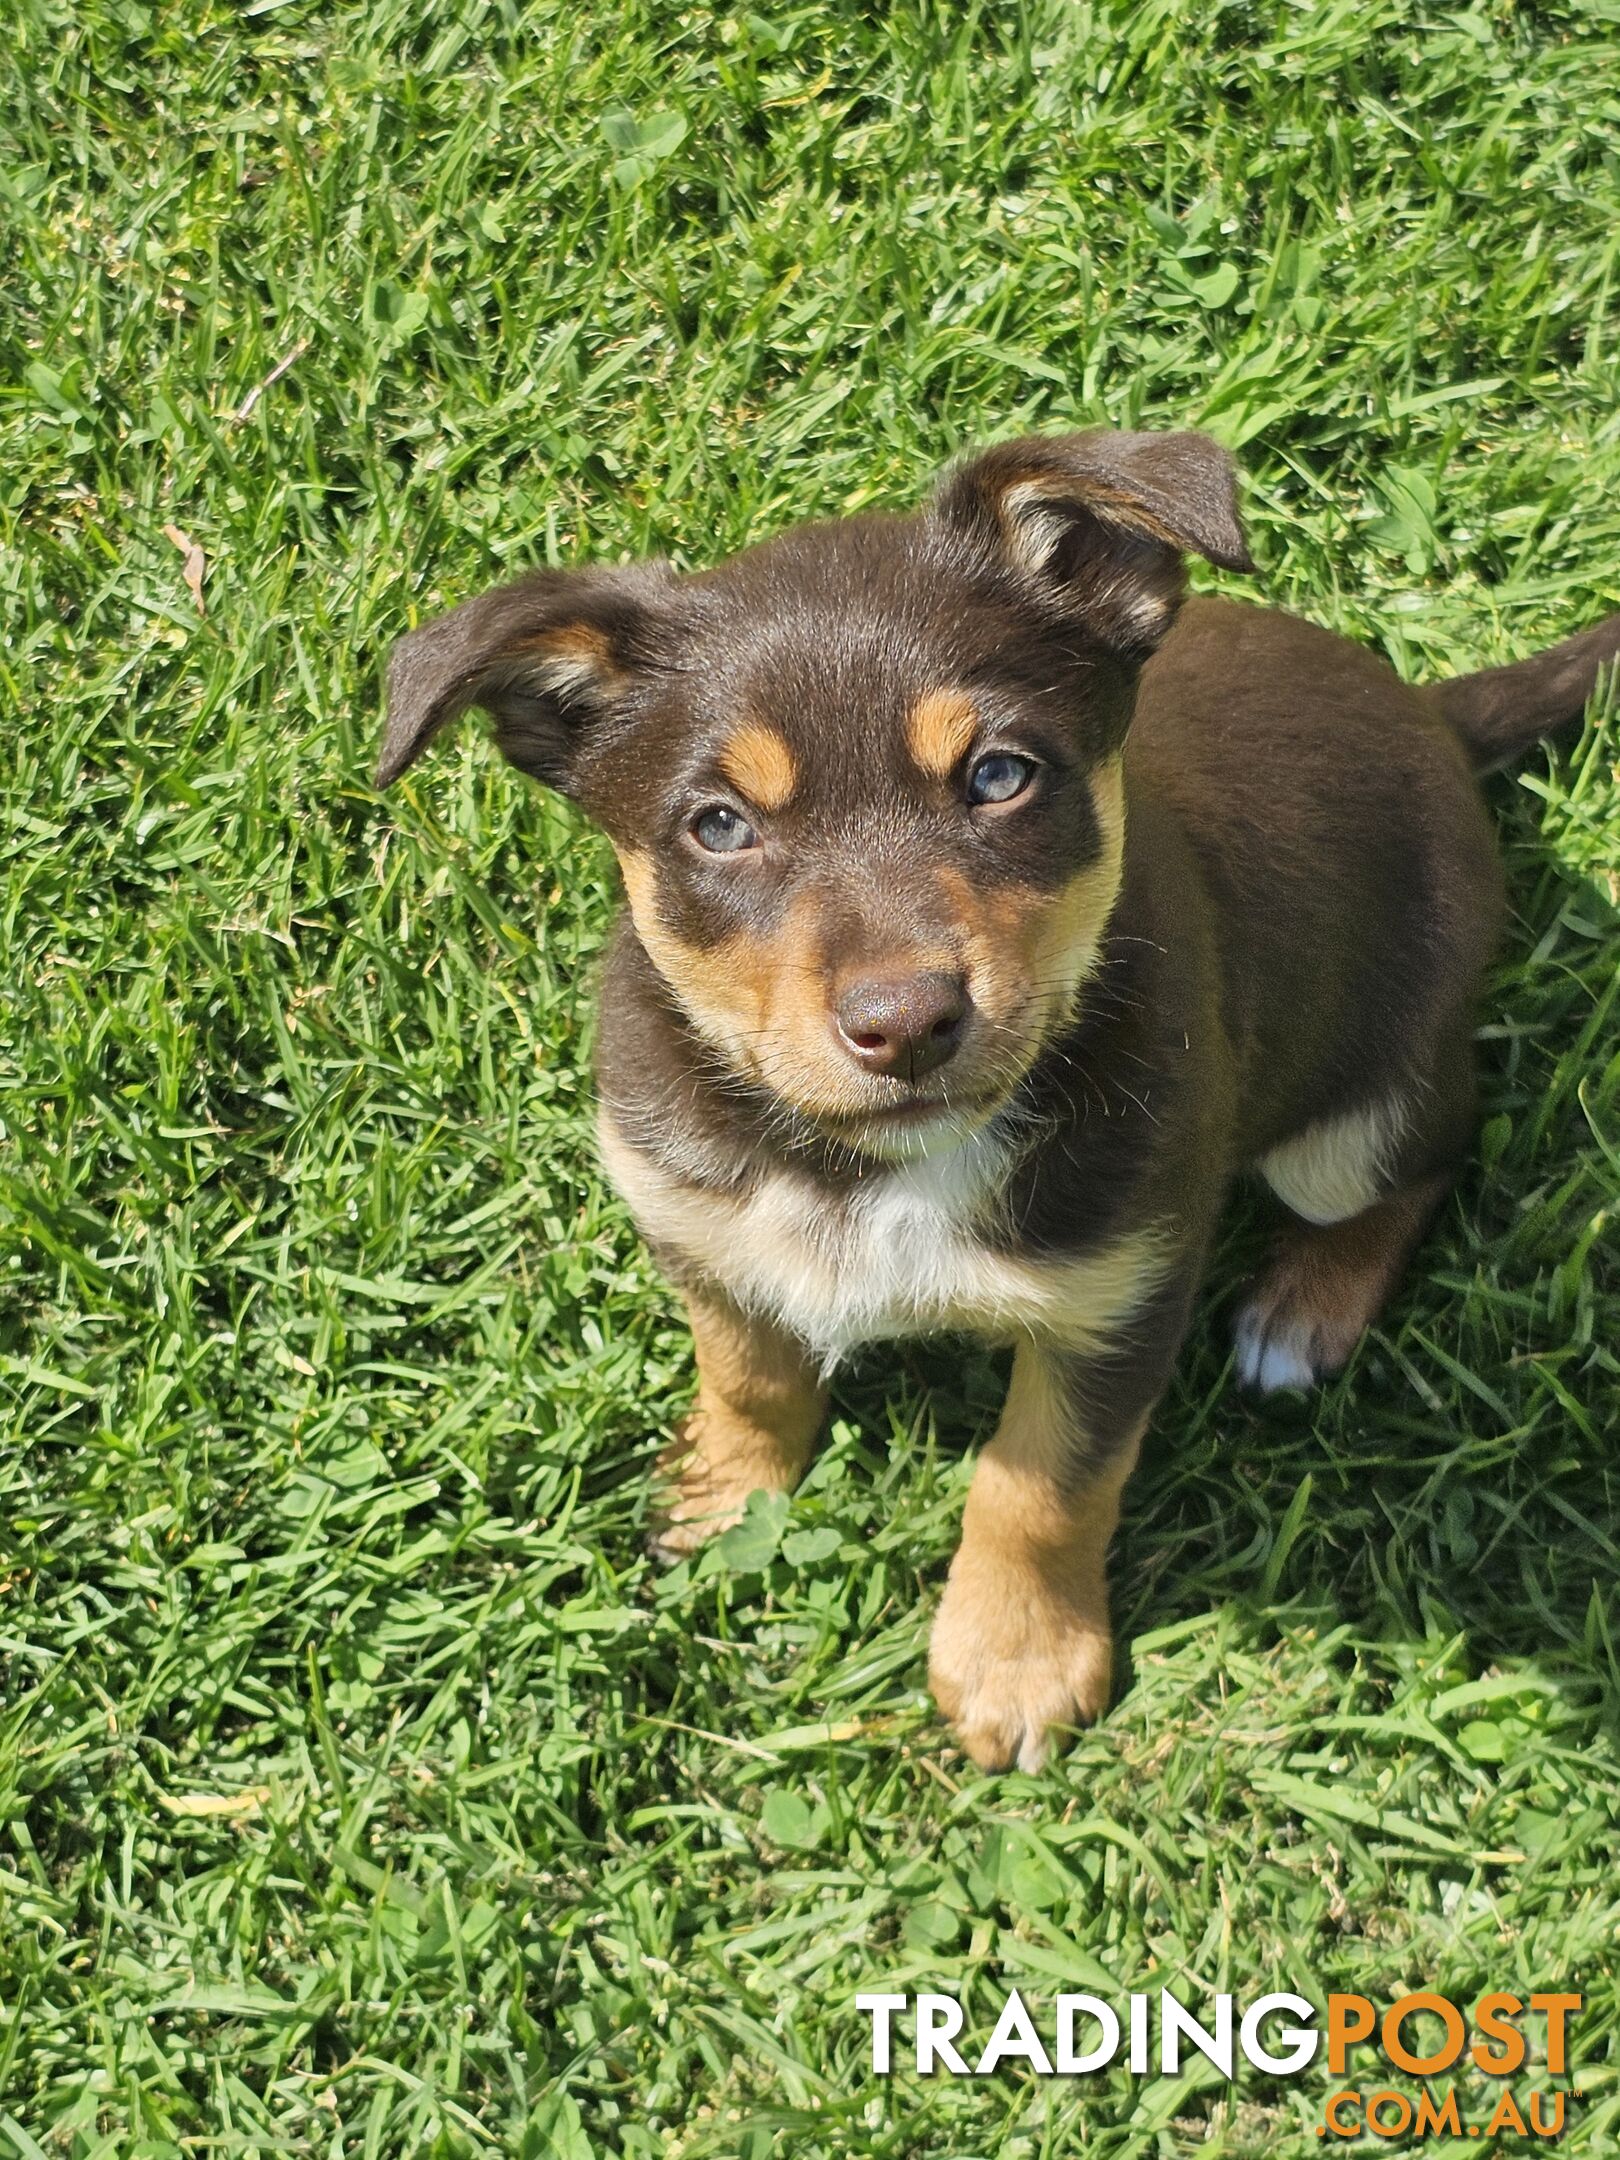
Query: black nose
[906,1025]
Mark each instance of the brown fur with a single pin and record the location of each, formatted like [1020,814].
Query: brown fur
[581,644]
[574,660]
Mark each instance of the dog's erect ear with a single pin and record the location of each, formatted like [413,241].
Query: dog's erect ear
[548,656]
[1096,524]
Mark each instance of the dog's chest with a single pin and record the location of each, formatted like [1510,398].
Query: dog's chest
[904,1252]
[901,1254]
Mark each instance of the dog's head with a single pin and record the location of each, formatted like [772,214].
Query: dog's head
[864,780]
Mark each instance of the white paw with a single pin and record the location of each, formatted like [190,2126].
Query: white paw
[1273,1354]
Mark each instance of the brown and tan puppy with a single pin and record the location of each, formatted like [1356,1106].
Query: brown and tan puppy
[989,911]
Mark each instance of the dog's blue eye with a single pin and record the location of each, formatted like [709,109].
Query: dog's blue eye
[999,778]
[723,831]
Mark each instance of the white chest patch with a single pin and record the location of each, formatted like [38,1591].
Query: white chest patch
[903,1254]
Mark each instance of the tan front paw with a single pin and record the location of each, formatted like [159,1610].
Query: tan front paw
[1010,1660]
[695,1508]
[702,1496]
[687,1524]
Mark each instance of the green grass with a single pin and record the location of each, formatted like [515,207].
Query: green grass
[363,1791]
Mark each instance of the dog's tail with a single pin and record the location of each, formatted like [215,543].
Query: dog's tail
[1500,712]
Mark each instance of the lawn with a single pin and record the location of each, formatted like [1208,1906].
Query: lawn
[364,1790]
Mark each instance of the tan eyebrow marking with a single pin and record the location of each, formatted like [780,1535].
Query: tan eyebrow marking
[759,762]
[940,729]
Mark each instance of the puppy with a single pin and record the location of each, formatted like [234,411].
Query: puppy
[991,908]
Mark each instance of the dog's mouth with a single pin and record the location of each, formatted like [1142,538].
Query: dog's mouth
[899,1120]
[889,1116]
[915,1125]
[918,1110]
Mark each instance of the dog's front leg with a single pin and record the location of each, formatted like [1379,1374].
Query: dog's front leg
[760,1403]
[1022,1641]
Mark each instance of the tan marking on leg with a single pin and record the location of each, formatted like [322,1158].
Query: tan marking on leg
[1022,1640]
[759,762]
[1325,1285]
[759,1407]
[940,729]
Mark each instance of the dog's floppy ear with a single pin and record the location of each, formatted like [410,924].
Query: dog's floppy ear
[1096,524]
[549,656]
